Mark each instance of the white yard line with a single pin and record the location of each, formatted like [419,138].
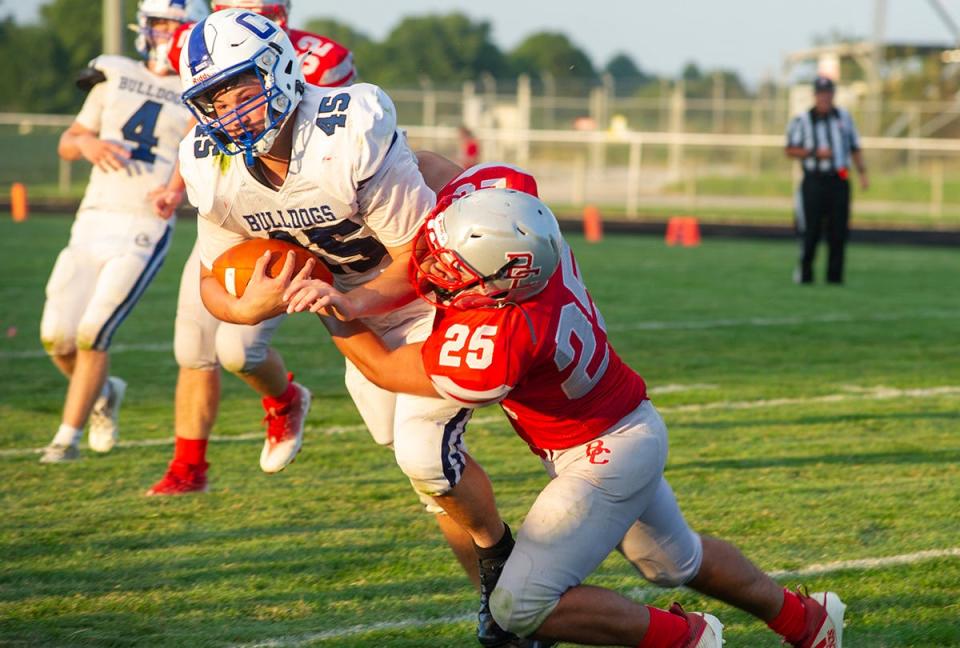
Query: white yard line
[332,430]
[851,393]
[640,593]
[680,325]
[748,322]
[862,394]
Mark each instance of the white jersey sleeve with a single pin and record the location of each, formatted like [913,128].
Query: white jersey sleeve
[213,240]
[392,196]
[92,110]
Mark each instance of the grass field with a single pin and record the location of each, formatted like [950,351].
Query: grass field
[809,425]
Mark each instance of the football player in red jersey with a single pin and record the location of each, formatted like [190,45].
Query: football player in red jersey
[517,326]
[325,62]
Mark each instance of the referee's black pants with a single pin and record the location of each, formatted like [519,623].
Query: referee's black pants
[824,204]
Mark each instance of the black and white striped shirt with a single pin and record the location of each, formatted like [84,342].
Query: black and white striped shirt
[834,130]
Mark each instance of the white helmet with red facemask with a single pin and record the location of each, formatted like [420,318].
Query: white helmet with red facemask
[276,10]
[487,249]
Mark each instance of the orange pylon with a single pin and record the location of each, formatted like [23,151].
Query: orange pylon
[683,230]
[592,224]
[19,206]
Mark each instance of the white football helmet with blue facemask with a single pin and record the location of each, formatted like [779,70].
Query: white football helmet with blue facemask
[225,47]
[156,47]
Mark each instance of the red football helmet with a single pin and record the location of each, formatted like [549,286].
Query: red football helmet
[276,10]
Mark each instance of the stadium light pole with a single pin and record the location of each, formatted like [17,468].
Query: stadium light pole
[113,26]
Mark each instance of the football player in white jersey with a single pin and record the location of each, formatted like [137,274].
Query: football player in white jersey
[129,128]
[202,344]
[326,168]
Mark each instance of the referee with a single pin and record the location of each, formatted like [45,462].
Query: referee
[825,140]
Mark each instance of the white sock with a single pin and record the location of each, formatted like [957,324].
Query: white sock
[67,435]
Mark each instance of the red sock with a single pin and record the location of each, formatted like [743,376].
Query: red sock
[190,451]
[792,620]
[283,399]
[665,631]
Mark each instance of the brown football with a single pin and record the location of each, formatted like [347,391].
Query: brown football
[234,267]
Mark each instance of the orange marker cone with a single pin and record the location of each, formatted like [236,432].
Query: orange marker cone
[683,230]
[673,230]
[19,207]
[592,224]
[691,232]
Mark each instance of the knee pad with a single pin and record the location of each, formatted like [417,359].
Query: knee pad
[430,505]
[67,291]
[675,571]
[120,285]
[239,350]
[57,335]
[521,612]
[194,341]
[429,444]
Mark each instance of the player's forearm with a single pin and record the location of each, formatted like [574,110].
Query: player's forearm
[176,182]
[398,371]
[221,304]
[69,147]
[859,162]
[797,152]
[387,292]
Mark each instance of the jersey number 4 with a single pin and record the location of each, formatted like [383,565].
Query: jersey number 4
[141,129]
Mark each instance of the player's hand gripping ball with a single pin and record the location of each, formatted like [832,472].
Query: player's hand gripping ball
[234,267]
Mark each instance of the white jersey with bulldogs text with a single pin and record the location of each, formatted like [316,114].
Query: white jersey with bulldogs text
[353,188]
[142,112]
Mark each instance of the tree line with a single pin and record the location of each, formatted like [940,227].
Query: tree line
[446,49]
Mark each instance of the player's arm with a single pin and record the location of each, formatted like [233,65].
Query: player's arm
[798,152]
[78,142]
[437,170]
[390,290]
[399,370]
[166,198]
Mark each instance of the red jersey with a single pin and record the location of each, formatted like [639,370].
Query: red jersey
[325,62]
[489,176]
[546,360]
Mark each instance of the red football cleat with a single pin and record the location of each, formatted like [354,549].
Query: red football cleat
[285,423]
[824,621]
[181,479]
[706,631]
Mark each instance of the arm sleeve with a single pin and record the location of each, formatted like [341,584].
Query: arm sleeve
[795,132]
[93,105]
[473,362]
[213,240]
[395,201]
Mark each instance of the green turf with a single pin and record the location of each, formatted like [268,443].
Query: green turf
[323,552]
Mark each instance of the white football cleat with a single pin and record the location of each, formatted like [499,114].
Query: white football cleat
[104,430]
[706,631]
[824,621]
[284,430]
[57,453]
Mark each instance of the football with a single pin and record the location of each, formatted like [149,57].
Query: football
[234,267]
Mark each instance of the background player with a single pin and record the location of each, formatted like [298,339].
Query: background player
[202,343]
[520,328]
[327,169]
[129,129]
